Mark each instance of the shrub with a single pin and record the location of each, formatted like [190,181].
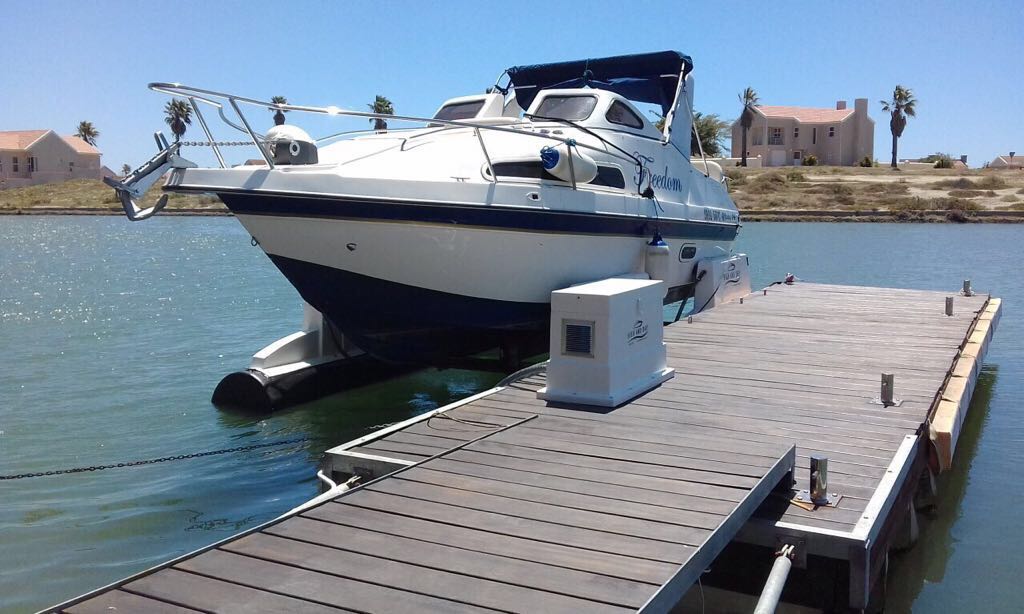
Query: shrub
[957,216]
[810,160]
[867,162]
[1009,198]
[991,182]
[795,176]
[767,183]
[970,193]
[887,187]
[943,162]
[1021,191]
[736,177]
[909,204]
[955,204]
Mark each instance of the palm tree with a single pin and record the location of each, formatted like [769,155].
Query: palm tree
[899,109]
[87,132]
[381,106]
[749,100]
[278,113]
[179,116]
[712,131]
[125,170]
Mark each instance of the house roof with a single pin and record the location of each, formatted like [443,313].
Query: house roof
[1016,159]
[20,140]
[79,145]
[806,114]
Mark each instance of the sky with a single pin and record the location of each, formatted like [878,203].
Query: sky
[72,61]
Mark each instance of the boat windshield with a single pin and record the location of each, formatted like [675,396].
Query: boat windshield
[573,108]
[460,110]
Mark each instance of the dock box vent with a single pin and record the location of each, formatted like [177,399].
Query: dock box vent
[606,342]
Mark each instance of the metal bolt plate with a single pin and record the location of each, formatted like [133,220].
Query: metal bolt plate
[803,499]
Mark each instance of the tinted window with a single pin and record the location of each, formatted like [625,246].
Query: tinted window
[608,176]
[460,110]
[567,107]
[619,113]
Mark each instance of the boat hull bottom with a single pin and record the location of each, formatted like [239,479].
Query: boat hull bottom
[406,324]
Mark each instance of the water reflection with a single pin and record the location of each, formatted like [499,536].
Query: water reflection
[926,563]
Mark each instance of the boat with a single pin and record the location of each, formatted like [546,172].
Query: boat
[431,242]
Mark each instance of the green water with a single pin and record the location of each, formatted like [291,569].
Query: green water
[113,335]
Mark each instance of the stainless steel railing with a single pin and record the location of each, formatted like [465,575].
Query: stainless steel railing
[197,96]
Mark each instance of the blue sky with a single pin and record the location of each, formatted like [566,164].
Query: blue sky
[69,61]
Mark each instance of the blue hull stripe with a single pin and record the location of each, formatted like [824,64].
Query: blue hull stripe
[529,220]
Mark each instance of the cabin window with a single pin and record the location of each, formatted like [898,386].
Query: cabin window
[460,110]
[775,136]
[620,114]
[14,164]
[831,131]
[573,108]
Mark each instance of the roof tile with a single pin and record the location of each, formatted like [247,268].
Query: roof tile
[806,114]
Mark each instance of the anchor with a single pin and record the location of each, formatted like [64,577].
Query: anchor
[140,180]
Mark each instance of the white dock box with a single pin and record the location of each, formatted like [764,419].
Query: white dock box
[606,342]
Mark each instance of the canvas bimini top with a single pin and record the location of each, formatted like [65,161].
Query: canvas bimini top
[643,77]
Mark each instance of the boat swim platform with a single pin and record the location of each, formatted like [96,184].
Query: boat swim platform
[504,502]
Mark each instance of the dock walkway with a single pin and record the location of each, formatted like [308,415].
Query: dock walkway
[504,502]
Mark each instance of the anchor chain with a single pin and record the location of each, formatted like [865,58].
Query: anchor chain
[219,143]
[152,461]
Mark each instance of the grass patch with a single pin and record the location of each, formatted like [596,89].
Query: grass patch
[1009,198]
[796,177]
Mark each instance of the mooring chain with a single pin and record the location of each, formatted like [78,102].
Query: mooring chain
[151,461]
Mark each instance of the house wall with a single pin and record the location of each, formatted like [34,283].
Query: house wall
[854,138]
[56,161]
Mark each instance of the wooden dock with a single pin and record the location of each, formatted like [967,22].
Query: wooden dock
[502,502]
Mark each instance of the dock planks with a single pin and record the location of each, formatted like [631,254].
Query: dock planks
[511,504]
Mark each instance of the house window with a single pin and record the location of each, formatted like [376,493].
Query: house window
[32,164]
[757,138]
[796,132]
[14,164]
[775,136]
[71,166]
[831,131]
[814,136]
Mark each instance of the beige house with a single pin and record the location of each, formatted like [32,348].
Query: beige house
[783,136]
[1013,161]
[29,157]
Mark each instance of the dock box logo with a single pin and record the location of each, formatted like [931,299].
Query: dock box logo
[637,333]
[731,275]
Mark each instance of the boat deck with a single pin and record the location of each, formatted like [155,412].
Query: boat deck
[505,502]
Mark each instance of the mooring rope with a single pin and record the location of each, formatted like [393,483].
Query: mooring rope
[152,461]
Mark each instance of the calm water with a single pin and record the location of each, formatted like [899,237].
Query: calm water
[113,335]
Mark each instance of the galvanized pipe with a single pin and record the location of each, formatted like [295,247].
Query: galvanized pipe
[772,592]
